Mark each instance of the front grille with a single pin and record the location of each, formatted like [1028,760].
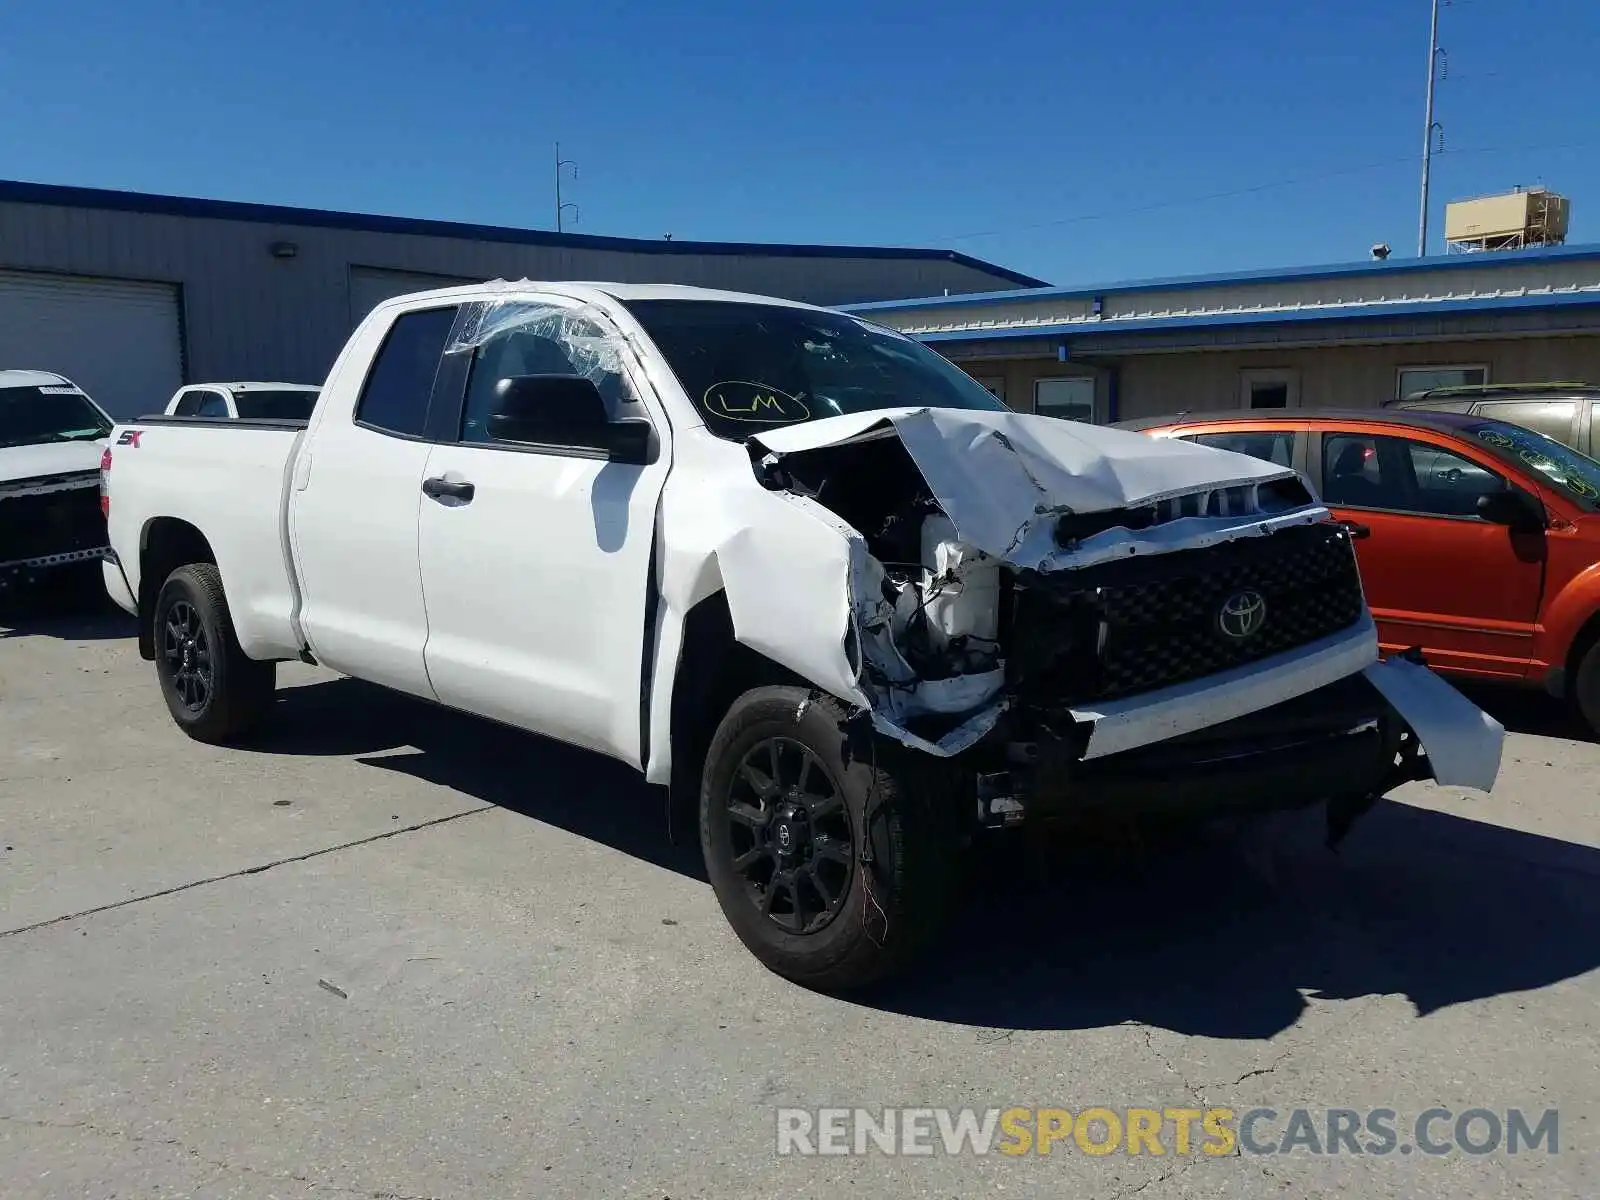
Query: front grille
[1136,626]
[51,523]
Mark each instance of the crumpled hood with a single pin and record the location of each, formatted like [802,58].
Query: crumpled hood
[999,476]
[51,458]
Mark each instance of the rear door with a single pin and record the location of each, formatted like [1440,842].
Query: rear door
[1436,574]
[539,582]
[354,505]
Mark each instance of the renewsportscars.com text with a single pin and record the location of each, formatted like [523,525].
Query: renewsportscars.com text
[1180,1131]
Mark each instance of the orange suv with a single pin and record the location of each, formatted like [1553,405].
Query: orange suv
[1478,540]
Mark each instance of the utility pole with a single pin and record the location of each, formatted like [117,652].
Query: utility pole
[562,164]
[1429,126]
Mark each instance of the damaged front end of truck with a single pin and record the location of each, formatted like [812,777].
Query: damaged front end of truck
[1084,620]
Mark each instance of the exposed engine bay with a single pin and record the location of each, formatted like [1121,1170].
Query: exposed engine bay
[1108,604]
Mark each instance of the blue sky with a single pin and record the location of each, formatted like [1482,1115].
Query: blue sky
[993,128]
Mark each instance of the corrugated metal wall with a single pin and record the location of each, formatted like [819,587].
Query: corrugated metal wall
[1154,385]
[250,315]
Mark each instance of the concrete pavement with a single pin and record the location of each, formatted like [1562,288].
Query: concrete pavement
[394,952]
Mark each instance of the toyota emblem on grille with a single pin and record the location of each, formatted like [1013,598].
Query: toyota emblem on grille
[1242,615]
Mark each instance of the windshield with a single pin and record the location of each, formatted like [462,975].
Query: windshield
[749,367]
[1563,468]
[275,406]
[32,416]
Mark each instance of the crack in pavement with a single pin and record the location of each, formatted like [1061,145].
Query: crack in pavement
[256,870]
[1170,1171]
[124,1135]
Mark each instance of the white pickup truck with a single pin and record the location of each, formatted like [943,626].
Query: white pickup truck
[52,436]
[262,401]
[796,568]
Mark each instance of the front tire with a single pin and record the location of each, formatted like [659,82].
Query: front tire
[831,873]
[214,691]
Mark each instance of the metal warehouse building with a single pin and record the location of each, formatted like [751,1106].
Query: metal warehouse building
[1347,335]
[132,295]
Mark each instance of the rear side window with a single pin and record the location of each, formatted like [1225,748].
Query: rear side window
[212,404]
[188,404]
[1353,473]
[1553,418]
[1277,447]
[394,398]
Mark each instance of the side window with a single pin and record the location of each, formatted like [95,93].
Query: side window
[1353,473]
[212,404]
[188,404]
[1553,418]
[1362,471]
[1448,485]
[1277,447]
[395,396]
[541,340]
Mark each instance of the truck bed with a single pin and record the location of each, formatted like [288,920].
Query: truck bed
[227,480]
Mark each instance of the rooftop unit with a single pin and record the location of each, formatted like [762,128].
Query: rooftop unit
[1510,221]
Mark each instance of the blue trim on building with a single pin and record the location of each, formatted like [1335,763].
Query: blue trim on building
[1178,283]
[1101,329]
[54,195]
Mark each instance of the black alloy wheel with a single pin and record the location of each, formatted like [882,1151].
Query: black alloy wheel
[187,653]
[791,834]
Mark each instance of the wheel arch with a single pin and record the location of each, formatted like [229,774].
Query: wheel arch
[714,668]
[165,544]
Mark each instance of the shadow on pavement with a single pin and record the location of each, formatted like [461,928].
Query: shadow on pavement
[1218,932]
[72,606]
[1528,710]
[586,794]
[1204,937]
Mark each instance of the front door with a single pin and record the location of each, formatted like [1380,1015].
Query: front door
[1436,574]
[538,582]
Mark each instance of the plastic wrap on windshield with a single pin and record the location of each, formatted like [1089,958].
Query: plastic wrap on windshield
[576,336]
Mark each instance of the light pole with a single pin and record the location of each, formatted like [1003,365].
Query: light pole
[1429,126]
[561,165]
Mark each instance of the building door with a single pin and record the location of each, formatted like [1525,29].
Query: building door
[1271,388]
[117,340]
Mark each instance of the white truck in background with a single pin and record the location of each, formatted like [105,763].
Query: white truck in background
[795,567]
[244,401]
[52,436]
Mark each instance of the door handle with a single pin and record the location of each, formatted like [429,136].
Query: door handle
[1356,530]
[439,487]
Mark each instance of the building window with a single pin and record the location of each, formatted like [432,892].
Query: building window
[1411,380]
[994,385]
[1070,399]
[1271,388]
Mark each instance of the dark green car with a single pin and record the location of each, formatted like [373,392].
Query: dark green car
[1564,411]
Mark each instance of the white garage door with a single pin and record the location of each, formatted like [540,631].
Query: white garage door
[371,286]
[119,341]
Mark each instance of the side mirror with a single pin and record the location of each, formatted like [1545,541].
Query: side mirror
[1513,508]
[566,410]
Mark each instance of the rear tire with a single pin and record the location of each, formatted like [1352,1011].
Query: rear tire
[213,690]
[785,814]
[1586,687]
